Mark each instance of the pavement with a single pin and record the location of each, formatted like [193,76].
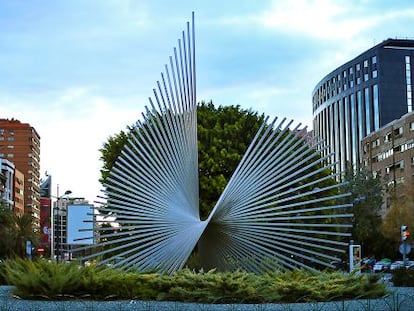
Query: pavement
[399,299]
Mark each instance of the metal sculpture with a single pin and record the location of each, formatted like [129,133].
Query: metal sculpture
[275,213]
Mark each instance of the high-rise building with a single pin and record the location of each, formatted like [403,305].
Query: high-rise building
[20,144]
[362,96]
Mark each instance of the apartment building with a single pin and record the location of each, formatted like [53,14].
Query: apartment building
[20,144]
[389,151]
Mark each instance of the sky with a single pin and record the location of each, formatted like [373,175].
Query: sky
[80,71]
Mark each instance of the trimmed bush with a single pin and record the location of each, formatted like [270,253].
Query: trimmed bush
[49,280]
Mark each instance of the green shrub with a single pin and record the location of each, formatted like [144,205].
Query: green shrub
[403,277]
[49,280]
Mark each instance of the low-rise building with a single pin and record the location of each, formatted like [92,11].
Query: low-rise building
[6,182]
[389,151]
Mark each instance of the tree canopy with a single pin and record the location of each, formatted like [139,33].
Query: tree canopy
[367,193]
[401,213]
[15,231]
[224,134]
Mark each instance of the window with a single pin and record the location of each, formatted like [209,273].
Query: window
[408,83]
[374,60]
[376,173]
[10,138]
[399,180]
[376,143]
[387,137]
[374,74]
[366,63]
[399,165]
[10,147]
[412,161]
[358,67]
[408,145]
[398,131]
[412,126]
[384,155]
[10,155]
[366,77]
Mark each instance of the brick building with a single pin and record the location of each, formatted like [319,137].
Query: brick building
[20,144]
[389,151]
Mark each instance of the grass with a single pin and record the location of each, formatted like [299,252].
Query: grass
[62,281]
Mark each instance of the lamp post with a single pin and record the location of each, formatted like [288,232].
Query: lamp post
[58,224]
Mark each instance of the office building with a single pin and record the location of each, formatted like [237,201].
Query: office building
[361,96]
[389,151]
[20,144]
[66,222]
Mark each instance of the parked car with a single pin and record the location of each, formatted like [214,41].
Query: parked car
[397,265]
[368,264]
[382,266]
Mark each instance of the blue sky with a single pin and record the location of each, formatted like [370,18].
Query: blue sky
[82,70]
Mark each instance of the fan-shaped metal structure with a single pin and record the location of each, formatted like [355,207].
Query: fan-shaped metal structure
[280,210]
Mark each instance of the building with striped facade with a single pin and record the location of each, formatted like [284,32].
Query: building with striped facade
[361,96]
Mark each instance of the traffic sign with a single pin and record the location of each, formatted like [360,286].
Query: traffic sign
[407,249]
[40,250]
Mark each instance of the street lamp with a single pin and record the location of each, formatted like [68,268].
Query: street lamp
[58,226]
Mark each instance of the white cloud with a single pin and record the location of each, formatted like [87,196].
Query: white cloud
[289,102]
[70,140]
[320,18]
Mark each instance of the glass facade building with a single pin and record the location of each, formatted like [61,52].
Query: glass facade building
[361,96]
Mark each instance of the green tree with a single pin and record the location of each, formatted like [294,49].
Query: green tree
[15,231]
[6,229]
[367,194]
[224,133]
[111,150]
[401,213]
